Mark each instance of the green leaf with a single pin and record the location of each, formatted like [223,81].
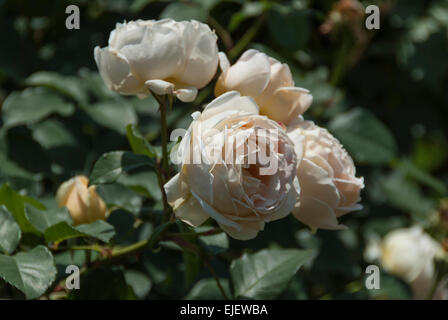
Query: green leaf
[138,143]
[406,195]
[139,282]
[290,28]
[266,274]
[192,266]
[111,165]
[214,244]
[118,195]
[423,177]
[31,272]
[15,203]
[62,231]
[32,105]
[248,10]
[207,289]
[42,220]
[69,86]
[181,11]
[99,229]
[366,138]
[94,84]
[10,232]
[144,183]
[52,134]
[114,114]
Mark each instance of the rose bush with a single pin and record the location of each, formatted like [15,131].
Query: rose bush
[164,56]
[241,196]
[141,228]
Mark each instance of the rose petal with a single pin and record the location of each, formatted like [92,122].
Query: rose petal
[316,214]
[286,104]
[186,94]
[160,87]
[248,230]
[250,74]
[116,72]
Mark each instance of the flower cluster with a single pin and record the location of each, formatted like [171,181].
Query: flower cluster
[257,159]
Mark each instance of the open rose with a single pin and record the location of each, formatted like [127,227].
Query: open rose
[165,56]
[266,80]
[329,188]
[83,203]
[237,167]
[409,253]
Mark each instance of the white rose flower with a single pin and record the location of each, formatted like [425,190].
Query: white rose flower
[237,167]
[409,253]
[82,201]
[165,56]
[266,80]
[329,187]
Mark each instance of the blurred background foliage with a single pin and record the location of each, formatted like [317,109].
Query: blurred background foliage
[383,93]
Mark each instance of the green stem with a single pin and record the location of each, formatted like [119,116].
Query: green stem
[163,112]
[163,172]
[212,271]
[129,249]
[222,32]
[247,38]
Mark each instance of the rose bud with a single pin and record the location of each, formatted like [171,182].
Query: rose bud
[266,80]
[164,56]
[82,201]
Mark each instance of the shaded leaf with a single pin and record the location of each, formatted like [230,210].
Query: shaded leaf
[15,203]
[69,86]
[114,114]
[111,165]
[207,289]
[138,143]
[32,105]
[62,231]
[42,220]
[266,274]
[366,138]
[139,282]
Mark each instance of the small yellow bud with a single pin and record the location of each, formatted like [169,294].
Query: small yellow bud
[83,203]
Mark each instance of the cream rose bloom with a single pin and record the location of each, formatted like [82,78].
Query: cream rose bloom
[165,56]
[83,203]
[409,253]
[224,173]
[329,187]
[268,81]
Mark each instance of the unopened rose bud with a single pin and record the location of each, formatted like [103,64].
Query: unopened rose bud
[83,203]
